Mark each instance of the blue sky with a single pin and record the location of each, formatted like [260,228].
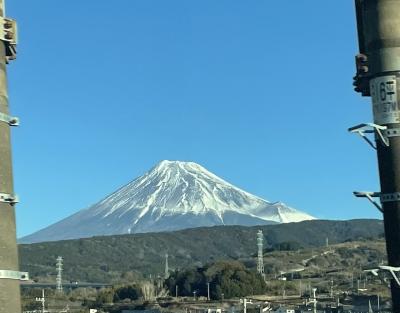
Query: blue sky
[258,92]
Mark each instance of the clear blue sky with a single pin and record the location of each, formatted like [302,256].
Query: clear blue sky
[258,92]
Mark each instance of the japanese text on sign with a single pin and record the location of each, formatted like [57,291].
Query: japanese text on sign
[384,100]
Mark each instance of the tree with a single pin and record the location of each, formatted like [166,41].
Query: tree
[230,278]
[131,292]
[104,296]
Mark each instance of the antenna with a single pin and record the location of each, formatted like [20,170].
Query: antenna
[59,265]
[166,273]
[260,257]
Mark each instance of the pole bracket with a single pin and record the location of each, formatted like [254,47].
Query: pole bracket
[7,198]
[10,120]
[9,35]
[391,132]
[392,270]
[390,197]
[370,128]
[369,195]
[386,268]
[15,275]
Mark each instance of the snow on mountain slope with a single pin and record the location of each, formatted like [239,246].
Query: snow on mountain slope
[173,195]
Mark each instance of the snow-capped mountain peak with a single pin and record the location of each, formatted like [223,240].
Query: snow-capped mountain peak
[172,195]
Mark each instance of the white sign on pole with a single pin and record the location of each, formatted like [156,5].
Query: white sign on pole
[384,100]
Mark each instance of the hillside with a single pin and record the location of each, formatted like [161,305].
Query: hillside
[105,259]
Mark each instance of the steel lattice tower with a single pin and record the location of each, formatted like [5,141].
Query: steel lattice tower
[260,256]
[59,274]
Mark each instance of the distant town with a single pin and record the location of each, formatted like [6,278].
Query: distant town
[341,277]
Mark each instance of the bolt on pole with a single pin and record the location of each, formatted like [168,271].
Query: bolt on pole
[9,283]
[378,77]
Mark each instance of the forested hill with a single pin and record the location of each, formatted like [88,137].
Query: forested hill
[107,258]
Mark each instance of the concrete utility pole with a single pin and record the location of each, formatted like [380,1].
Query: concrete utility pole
[9,274]
[166,269]
[378,77]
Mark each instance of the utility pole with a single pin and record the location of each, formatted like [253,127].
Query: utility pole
[313,300]
[208,291]
[378,304]
[352,280]
[245,303]
[166,269]
[10,300]
[378,77]
[300,289]
[42,300]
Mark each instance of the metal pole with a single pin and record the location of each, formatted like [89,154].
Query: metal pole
[300,289]
[166,270]
[379,308]
[208,291]
[315,299]
[378,76]
[43,301]
[352,280]
[9,288]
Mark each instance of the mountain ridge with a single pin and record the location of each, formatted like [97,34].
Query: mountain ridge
[106,257]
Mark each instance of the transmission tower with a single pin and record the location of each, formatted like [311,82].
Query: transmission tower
[260,256]
[59,265]
[166,272]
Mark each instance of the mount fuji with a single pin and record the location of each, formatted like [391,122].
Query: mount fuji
[173,195]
